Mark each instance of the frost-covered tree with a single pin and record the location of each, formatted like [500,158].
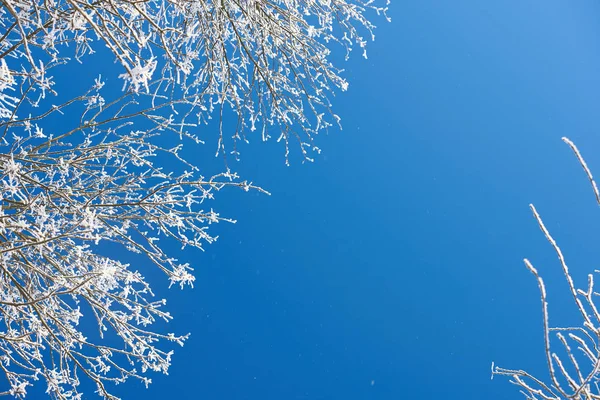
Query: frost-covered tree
[59,201]
[78,173]
[573,367]
[268,60]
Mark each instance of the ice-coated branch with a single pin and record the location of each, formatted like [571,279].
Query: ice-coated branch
[64,193]
[574,369]
[100,174]
[269,61]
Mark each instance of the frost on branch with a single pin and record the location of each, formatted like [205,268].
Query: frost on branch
[267,60]
[574,368]
[7,102]
[63,193]
[140,76]
[93,178]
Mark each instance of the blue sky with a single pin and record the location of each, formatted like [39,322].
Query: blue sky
[391,268]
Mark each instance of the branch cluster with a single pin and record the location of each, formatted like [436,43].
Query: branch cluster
[575,370]
[61,195]
[266,60]
[103,175]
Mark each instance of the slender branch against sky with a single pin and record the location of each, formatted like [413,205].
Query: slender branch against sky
[573,368]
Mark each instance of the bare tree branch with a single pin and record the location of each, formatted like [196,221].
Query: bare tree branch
[579,376]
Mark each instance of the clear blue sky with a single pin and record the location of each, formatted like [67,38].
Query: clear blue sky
[391,268]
